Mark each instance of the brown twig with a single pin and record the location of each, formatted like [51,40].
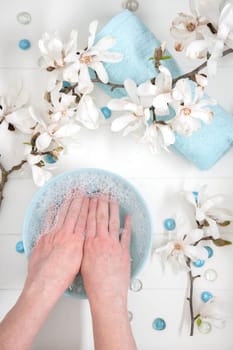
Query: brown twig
[190,298]
[199,68]
[4,176]
[113,85]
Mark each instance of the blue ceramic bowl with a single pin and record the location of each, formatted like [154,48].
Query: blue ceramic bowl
[92,180]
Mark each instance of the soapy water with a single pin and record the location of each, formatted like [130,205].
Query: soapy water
[94,182]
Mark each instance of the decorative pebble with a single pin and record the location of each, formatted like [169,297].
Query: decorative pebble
[170,224]
[209,251]
[205,327]
[159,324]
[49,159]
[210,275]
[130,315]
[106,112]
[19,247]
[24,17]
[66,84]
[24,44]
[131,5]
[206,296]
[199,263]
[136,285]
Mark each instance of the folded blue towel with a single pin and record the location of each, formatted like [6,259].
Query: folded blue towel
[137,43]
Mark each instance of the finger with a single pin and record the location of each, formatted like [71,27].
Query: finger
[73,213]
[127,232]
[62,211]
[81,222]
[91,219]
[102,216]
[114,219]
[47,225]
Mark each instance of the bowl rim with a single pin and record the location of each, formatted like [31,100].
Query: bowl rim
[33,201]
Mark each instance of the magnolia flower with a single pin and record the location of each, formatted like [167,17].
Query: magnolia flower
[91,57]
[187,28]
[61,106]
[160,92]
[58,133]
[14,111]
[87,113]
[190,111]
[208,212]
[158,136]
[211,312]
[180,248]
[54,53]
[136,111]
[39,174]
[224,37]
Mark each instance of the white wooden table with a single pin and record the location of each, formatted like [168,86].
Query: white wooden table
[158,178]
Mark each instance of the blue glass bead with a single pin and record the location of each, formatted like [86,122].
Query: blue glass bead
[24,44]
[159,324]
[206,296]
[209,251]
[66,84]
[199,263]
[19,247]
[170,224]
[106,112]
[49,159]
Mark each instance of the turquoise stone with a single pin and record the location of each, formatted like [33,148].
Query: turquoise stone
[66,84]
[24,18]
[159,324]
[49,159]
[106,112]
[24,44]
[19,247]
[206,296]
[209,251]
[199,263]
[170,224]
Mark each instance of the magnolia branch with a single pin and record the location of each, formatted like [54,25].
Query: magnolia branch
[190,297]
[199,68]
[4,176]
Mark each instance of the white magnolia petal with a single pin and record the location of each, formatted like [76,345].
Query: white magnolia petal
[189,196]
[105,43]
[33,159]
[195,235]
[92,30]
[160,103]
[147,89]
[132,128]
[197,49]
[201,80]
[71,46]
[211,202]
[98,67]
[88,114]
[131,89]
[121,122]
[85,84]
[67,130]
[220,214]
[168,135]
[182,91]
[43,141]
[205,115]
[22,119]
[108,56]
[40,176]
[196,253]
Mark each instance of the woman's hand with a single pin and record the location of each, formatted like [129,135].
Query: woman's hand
[106,261]
[56,258]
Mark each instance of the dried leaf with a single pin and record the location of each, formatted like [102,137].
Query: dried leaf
[221,242]
[225,223]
